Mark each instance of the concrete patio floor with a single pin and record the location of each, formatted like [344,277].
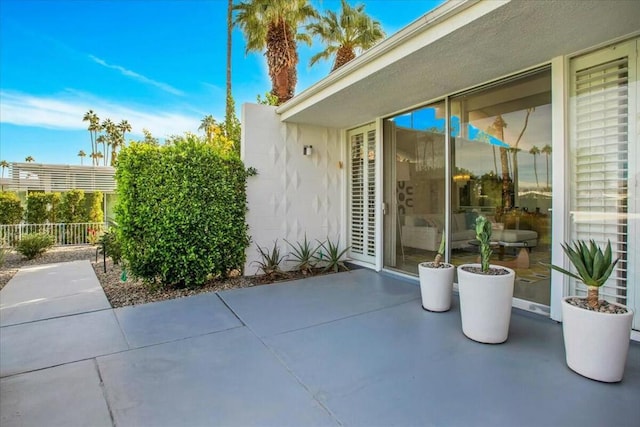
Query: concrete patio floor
[352,349]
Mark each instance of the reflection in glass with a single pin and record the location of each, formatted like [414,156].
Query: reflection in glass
[414,145]
[501,147]
[500,144]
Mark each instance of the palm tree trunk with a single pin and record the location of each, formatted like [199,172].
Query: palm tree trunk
[535,170]
[344,55]
[592,296]
[228,111]
[282,58]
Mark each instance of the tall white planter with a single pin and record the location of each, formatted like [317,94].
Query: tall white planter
[596,344]
[485,304]
[436,286]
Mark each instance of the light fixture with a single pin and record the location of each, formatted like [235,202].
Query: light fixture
[307,150]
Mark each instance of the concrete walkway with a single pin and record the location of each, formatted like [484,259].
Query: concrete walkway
[350,349]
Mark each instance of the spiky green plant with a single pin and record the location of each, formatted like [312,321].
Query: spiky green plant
[332,255]
[303,254]
[270,261]
[483,234]
[593,266]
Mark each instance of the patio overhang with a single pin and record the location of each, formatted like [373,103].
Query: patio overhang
[459,45]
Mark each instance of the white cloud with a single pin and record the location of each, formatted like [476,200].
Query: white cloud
[125,72]
[66,112]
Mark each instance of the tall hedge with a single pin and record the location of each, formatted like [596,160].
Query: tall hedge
[38,207]
[72,208]
[10,208]
[181,211]
[93,206]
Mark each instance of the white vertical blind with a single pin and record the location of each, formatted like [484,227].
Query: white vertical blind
[362,227]
[600,159]
[371,192]
[357,194]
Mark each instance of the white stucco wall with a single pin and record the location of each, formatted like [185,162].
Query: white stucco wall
[292,194]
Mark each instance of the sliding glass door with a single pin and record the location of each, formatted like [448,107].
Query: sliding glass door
[499,143]
[414,150]
[501,151]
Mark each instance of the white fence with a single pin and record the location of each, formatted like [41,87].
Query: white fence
[64,234]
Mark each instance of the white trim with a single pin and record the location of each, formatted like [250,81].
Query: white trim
[603,45]
[530,306]
[379,239]
[560,180]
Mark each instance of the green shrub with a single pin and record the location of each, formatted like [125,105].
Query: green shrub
[181,211]
[38,205]
[72,208]
[35,244]
[3,254]
[54,207]
[93,207]
[10,208]
[110,245]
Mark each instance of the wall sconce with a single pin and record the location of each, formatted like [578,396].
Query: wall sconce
[307,150]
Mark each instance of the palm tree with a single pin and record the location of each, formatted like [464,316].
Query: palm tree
[96,156]
[4,164]
[546,150]
[535,151]
[82,155]
[344,35]
[273,25]
[208,124]
[101,139]
[229,105]
[94,128]
[29,159]
[123,127]
[112,132]
[498,129]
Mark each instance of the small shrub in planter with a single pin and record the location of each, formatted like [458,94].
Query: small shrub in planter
[33,245]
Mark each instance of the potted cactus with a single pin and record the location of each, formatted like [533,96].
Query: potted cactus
[596,332]
[486,293]
[436,282]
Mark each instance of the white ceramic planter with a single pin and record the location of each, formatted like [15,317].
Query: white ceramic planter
[485,304]
[436,286]
[596,343]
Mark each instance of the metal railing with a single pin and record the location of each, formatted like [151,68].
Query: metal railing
[64,234]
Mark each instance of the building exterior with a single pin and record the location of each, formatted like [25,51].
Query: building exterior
[526,112]
[25,177]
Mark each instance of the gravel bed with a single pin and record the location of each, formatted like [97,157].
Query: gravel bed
[118,293]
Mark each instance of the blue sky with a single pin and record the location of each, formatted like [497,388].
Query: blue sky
[160,64]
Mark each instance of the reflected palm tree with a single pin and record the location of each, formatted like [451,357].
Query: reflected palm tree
[535,151]
[29,159]
[82,155]
[546,150]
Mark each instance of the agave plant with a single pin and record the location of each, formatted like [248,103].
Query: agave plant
[270,261]
[483,234]
[593,266]
[303,254]
[333,258]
